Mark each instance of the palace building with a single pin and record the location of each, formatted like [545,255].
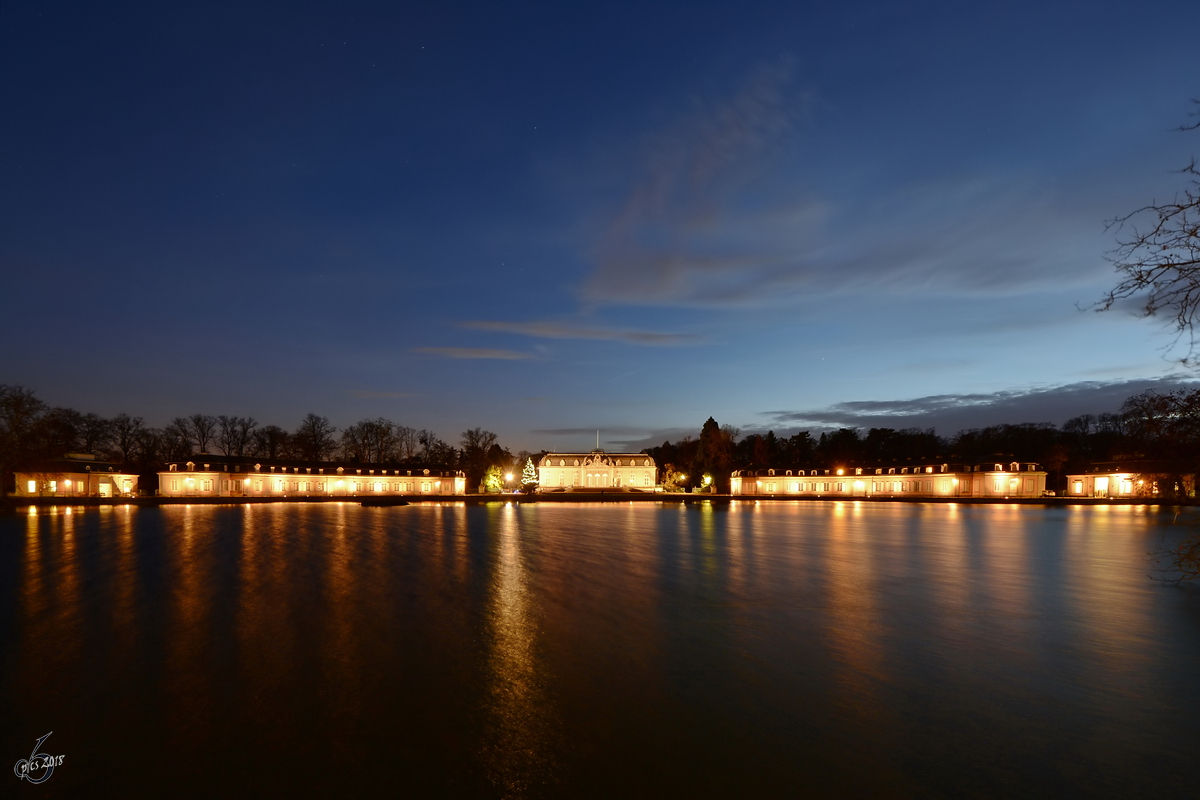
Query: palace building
[1132,478]
[597,469]
[206,475]
[992,479]
[76,475]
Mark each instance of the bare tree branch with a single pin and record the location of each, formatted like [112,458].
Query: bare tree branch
[1158,258]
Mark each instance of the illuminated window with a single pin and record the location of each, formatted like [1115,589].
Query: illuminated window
[32,487]
[53,486]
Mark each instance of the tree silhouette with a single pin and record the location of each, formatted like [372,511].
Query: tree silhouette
[1158,256]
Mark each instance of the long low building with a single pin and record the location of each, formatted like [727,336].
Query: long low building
[206,475]
[992,479]
[1131,479]
[597,469]
[76,475]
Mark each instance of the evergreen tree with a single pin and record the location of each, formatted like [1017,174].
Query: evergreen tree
[529,477]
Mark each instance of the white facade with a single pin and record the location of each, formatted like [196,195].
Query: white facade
[995,480]
[75,476]
[232,478]
[76,484]
[1126,483]
[598,470]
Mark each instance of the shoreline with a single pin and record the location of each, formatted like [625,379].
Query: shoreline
[15,504]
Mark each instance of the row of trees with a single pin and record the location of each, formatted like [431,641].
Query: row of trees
[31,430]
[1163,427]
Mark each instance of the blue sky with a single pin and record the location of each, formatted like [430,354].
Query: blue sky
[548,218]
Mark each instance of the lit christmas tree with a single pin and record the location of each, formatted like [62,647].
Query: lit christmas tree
[529,477]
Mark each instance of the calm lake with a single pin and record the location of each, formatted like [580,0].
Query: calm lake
[602,650]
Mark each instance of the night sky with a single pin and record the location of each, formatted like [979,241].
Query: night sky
[548,218]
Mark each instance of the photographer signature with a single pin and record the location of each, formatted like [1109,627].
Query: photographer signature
[27,768]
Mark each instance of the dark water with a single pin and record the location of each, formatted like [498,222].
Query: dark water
[605,650]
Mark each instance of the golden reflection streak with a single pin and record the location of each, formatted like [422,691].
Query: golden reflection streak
[856,629]
[33,579]
[711,562]
[735,548]
[68,582]
[519,752]
[461,541]
[189,637]
[124,610]
[953,581]
[1113,605]
[346,569]
[1007,572]
[249,582]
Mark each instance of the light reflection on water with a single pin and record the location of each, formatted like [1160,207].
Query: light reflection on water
[521,742]
[533,650]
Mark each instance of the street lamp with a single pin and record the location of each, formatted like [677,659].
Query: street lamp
[507,480]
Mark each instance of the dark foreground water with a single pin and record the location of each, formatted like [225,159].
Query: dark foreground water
[597,650]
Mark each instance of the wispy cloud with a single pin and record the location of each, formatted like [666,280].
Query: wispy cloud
[473,352]
[673,238]
[370,395]
[721,217]
[582,431]
[561,330]
[951,412]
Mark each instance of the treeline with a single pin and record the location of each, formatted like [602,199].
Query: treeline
[31,430]
[1158,429]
